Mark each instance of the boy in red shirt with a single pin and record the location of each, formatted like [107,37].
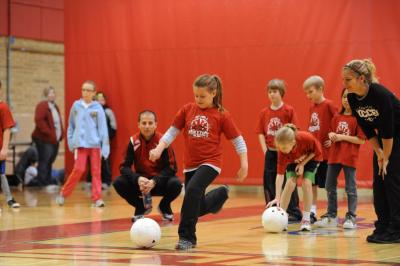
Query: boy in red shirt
[271,119]
[346,137]
[321,114]
[6,123]
[299,154]
[148,178]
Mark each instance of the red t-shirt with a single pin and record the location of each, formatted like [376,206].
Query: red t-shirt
[271,120]
[202,129]
[320,121]
[6,120]
[306,143]
[344,152]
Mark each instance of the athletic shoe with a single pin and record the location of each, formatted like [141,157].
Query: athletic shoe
[139,214]
[60,200]
[184,245]
[327,221]
[166,215]
[388,238]
[305,225]
[99,203]
[13,204]
[313,218]
[137,217]
[349,222]
[293,218]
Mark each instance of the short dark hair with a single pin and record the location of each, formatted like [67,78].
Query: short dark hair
[147,112]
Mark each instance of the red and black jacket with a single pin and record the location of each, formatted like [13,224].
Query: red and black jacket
[137,154]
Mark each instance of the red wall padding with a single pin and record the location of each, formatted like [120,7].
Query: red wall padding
[146,54]
[33,19]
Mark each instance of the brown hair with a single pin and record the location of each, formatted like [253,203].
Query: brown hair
[47,90]
[147,112]
[277,84]
[286,134]
[91,82]
[314,80]
[363,67]
[213,83]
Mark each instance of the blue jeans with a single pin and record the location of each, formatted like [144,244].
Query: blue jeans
[331,188]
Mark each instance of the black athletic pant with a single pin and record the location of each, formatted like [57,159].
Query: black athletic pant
[387,192]
[195,203]
[128,188]
[270,171]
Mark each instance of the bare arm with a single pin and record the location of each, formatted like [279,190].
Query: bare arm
[6,142]
[263,145]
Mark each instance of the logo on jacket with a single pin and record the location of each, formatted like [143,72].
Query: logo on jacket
[199,127]
[273,126]
[343,128]
[367,113]
[314,123]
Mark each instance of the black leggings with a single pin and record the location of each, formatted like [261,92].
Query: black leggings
[195,203]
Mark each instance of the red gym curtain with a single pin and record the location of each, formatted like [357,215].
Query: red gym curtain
[145,54]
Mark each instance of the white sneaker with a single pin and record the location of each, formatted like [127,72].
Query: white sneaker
[60,200]
[349,222]
[305,225]
[327,221]
[99,203]
[13,204]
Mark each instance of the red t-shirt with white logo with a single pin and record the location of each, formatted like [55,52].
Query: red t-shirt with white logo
[306,143]
[344,152]
[271,120]
[6,120]
[202,129]
[320,122]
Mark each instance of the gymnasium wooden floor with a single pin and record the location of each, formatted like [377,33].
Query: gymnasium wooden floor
[42,233]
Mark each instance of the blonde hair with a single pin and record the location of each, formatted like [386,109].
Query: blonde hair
[314,80]
[363,67]
[277,84]
[212,83]
[286,134]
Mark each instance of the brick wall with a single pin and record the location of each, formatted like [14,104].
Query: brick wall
[34,66]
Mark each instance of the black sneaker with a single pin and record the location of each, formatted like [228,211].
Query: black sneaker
[166,214]
[313,218]
[13,204]
[294,219]
[184,245]
[376,234]
[387,238]
[139,214]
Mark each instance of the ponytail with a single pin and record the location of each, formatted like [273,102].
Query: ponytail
[364,67]
[212,83]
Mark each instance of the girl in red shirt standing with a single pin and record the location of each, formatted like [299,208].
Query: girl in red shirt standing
[202,124]
[299,154]
[346,137]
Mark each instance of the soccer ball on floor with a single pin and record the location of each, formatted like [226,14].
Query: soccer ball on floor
[274,220]
[145,233]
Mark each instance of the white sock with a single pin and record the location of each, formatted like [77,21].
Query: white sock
[314,209]
[306,216]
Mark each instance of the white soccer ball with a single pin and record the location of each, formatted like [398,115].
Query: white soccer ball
[145,233]
[274,220]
